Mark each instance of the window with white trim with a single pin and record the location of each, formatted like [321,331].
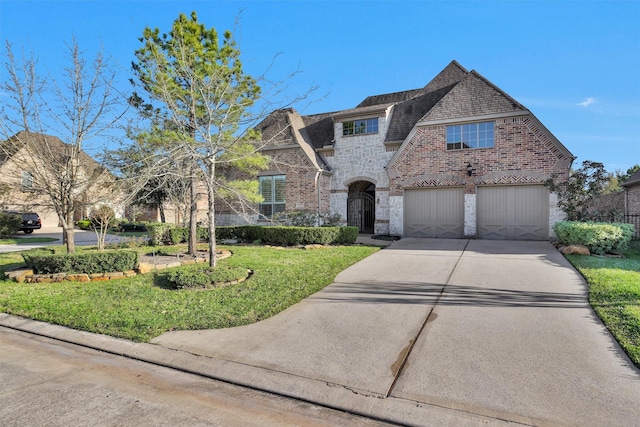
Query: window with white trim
[471,135]
[272,190]
[358,127]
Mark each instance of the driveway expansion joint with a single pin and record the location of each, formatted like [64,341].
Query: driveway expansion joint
[406,352]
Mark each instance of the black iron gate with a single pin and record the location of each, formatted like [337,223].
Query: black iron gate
[361,212]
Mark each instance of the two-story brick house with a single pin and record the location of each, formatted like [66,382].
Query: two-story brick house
[456,158]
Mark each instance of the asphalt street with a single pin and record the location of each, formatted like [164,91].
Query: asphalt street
[45,382]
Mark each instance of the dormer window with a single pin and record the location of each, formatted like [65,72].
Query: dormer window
[359,127]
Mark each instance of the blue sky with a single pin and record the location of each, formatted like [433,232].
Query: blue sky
[574,64]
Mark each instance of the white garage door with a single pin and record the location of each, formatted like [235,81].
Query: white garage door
[513,212]
[434,212]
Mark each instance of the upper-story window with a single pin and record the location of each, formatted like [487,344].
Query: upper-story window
[27,180]
[357,127]
[472,135]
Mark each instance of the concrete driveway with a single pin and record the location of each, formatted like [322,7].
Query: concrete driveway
[434,332]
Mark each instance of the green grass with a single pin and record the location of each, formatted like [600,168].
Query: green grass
[144,307]
[614,293]
[26,240]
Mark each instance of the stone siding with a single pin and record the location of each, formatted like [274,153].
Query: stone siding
[469,215]
[361,158]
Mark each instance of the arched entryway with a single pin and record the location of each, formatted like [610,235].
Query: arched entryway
[361,206]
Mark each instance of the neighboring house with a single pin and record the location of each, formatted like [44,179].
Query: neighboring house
[632,201]
[24,176]
[456,158]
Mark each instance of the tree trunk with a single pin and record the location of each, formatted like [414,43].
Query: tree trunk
[163,218]
[68,233]
[212,228]
[193,218]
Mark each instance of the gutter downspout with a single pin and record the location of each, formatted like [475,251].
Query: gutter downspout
[317,184]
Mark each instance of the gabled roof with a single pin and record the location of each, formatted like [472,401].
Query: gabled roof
[470,97]
[634,179]
[47,146]
[453,94]
[285,127]
[408,107]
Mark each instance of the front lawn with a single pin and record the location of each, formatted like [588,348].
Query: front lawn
[144,307]
[614,293]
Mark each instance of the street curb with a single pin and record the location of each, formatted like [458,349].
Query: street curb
[335,396]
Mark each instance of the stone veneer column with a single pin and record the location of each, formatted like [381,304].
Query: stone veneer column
[396,219]
[555,214]
[470,217]
[339,205]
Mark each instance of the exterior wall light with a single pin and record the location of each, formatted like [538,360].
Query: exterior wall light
[470,169]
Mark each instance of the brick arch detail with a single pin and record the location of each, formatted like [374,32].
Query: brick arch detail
[351,180]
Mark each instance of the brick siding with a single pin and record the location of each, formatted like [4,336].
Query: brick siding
[519,156]
[633,200]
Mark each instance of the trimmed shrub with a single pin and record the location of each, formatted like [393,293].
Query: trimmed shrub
[599,237]
[9,224]
[205,278]
[158,232]
[178,235]
[268,235]
[133,226]
[84,224]
[348,235]
[87,263]
[291,236]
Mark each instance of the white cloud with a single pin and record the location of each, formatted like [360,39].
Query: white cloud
[590,100]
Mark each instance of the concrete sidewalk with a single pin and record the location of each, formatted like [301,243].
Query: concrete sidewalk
[424,332]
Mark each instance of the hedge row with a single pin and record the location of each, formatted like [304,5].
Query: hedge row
[87,263]
[599,237]
[269,235]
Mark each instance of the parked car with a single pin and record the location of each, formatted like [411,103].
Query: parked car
[30,221]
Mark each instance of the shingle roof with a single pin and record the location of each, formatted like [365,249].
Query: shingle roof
[634,179]
[389,98]
[408,107]
[406,114]
[454,84]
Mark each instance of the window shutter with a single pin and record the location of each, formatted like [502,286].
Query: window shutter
[266,189]
[280,186]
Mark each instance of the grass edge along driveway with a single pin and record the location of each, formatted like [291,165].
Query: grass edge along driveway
[614,294]
[145,306]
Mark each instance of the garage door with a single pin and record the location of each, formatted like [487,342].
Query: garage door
[434,212]
[513,212]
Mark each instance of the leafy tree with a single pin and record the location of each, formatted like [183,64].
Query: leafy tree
[633,169]
[84,106]
[582,186]
[200,104]
[617,178]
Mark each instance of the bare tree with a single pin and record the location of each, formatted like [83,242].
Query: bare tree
[84,106]
[101,218]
